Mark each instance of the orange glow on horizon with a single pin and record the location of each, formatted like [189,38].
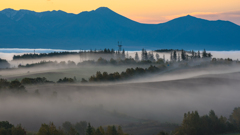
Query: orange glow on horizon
[151,11]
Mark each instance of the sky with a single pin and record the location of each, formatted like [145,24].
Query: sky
[144,11]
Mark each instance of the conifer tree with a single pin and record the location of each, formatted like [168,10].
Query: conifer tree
[136,57]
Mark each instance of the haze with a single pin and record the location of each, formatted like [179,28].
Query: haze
[163,97]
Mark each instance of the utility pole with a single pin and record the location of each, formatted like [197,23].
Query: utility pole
[119,46]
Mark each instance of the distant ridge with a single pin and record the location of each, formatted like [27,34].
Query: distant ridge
[103,27]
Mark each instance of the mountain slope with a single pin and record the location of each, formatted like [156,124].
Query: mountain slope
[103,27]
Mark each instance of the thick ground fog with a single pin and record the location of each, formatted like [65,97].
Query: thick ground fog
[147,98]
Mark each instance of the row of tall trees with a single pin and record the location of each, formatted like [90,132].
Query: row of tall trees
[38,80]
[210,124]
[8,129]
[148,56]
[80,128]
[80,53]
[130,72]
[100,61]
[41,55]
[192,124]
[48,63]
[110,130]
[18,86]
[77,128]
[120,54]
[67,80]
[14,85]
[176,56]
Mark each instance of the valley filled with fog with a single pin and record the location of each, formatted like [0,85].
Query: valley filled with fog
[163,96]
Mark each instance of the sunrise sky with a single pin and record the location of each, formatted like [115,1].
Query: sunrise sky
[144,11]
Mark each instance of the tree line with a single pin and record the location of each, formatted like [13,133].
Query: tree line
[67,128]
[176,56]
[64,53]
[15,85]
[9,129]
[130,72]
[211,124]
[146,58]
[192,124]
[4,64]
[120,54]
[18,86]
[100,61]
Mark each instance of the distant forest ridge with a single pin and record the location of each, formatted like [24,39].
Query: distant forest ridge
[118,52]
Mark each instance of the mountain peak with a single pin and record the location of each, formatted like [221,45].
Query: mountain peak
[103,10]
[9,12]
[7,9]
[186,19]
[189,17]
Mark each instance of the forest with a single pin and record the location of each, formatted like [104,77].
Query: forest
[192,124]
[54,54]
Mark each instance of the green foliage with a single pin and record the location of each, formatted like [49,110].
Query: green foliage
[72,131]
[183,55]
[160,61]
[49,63]
[100,131]
[4,131]
[18,130]
[41,63]
[49,129]
[130,72]
[90,130]
[235,118]
[164,50]
[111,130]
[206,55]
[6,125]
[16,86]
[67,126]
[174,55]
[8,129]
[162,133]
[120,131]
[83,80]
[210,124]
[78,129]
[102,61]
[81,127]
[3,83]
[66,80]
[71,63]
[136,57]
[37,80]
[231,134]
[42,55]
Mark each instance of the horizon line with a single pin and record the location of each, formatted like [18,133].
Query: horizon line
[142,22]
